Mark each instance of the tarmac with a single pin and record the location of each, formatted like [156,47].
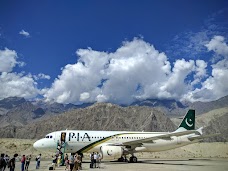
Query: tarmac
[146,164]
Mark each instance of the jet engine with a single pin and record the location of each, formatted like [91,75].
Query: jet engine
[111,152]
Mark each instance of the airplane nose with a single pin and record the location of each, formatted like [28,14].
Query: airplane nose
[38,144]
[35,145]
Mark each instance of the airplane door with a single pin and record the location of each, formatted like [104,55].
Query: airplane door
[63,137]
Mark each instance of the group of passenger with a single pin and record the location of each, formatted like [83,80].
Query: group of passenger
[25,161]
[7,162]
[95,158]
[74,162]
[56,160]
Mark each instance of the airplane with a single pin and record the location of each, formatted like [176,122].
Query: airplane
[117,144]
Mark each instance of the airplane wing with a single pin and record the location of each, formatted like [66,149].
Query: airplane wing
[151,139]
[164,137]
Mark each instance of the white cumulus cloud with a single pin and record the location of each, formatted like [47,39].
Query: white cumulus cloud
[135,71]
[218,45]
[24,33]
[216,85]
[7,60]
[16,84]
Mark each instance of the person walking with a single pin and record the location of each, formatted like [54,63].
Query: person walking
[71,162]
[95,160]
[66,159]
[59,160]
[76,162]
[27,161]
[98,160]
[6,158]
[23,163]
[79,162]
[2,161]
[38,158]
[54,161]
[12,162]
[92,160]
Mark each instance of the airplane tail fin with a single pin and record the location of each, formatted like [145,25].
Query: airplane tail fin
[188,123]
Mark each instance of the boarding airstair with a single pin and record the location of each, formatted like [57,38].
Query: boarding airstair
[61,146]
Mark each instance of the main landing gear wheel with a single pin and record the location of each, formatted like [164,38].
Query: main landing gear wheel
[122,159]
[133,159]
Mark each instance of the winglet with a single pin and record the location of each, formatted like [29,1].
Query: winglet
[189,120]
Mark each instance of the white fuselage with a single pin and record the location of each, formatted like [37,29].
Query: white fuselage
[92,141]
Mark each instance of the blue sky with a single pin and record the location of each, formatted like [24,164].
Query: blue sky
[47,48]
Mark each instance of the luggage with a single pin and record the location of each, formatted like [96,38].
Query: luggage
[51,168]
[91,165]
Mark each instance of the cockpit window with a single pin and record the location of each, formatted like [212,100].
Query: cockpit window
[48,136]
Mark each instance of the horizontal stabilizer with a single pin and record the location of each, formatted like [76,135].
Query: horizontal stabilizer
[203,136]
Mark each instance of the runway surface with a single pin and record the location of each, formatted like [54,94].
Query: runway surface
[148,164]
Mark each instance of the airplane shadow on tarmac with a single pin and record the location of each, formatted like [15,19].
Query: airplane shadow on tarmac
[168,162]
[164,162]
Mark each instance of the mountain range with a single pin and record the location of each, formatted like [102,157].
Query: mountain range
[26,119]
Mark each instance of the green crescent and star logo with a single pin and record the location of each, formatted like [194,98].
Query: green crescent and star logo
[187,122]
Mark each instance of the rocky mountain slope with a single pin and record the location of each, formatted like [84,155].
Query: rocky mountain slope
[16,111]
[101,116]
[173,107]
[9,103]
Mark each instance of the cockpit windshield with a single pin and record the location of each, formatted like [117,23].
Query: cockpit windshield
[48,136]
